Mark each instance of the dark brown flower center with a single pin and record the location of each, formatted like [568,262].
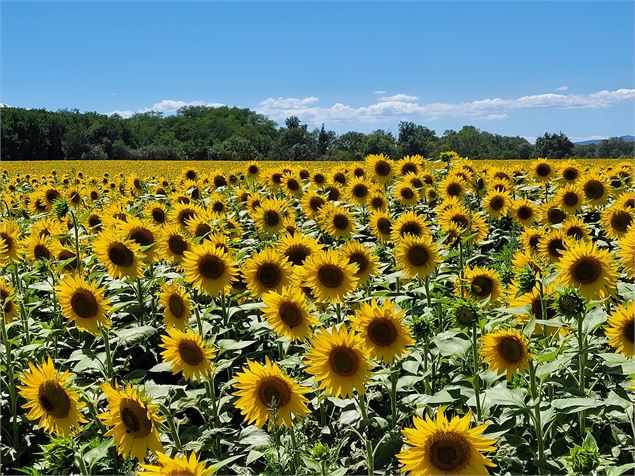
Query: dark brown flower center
[8,241]
[360,190]
[576,232]
[177,245]
[41,252]
[185,215]
[360,260]
[176,306]
[384,226]
[269,275]
[570,199]
[377,203]
[418,255]
[330,276]
[448,451]
[290,314]
[296,254]
[524,212]
[497,203]
[316,203]
[407,193]
[158,215]
[54,399]
[142,236]
[570,174]
[190,352]
[344,361]
[84,303]
[319,178]
[555,215]
[135,418]
[555,247]
[621,220]
[382,332]
[120,255]
[274,392]
[629,330]
[587,270]
[211,266]
[293,185]
[340,222]
[543,170]
[482,286]
[252,169]
[271,218]
[382,168]
[594,189]
[412,228]
[202,229]
[460,220]
[511,349]
[454,189]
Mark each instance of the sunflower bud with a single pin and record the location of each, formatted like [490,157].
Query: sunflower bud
[570,303]
[61,207]
[422,327]
[583,459]
[526,279]
[464,312]
[320,452]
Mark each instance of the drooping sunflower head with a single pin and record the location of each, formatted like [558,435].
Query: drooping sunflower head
[83,303]
[506,351]
[329,276]
[177,306]
[120,256]
[338,360]
[446,447]
[209,268]
[267,270]
[179,465]
[589,269]
[417,256]
[482,283]
[385,334]
[187,353]
[133,420]
[621,329]
[287,312]
[173,243]
[366,261]
[267,393]
[50,400]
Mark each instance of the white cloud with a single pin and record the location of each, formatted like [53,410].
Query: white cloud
[165,105]
[399,97]
[379,91]
[562,88]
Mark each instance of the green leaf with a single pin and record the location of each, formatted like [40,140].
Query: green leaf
[574,405]
[226,461]
[229,344]
[506,397]
[98,453]
[134,334]
[449,344]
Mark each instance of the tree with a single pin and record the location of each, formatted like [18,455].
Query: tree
[415,139]
[323,142]
[555,146]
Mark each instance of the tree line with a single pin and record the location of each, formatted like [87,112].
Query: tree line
[231,133]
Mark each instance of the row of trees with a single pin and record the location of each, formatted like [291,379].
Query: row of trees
[224,133]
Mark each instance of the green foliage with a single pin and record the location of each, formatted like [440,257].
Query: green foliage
[555,146]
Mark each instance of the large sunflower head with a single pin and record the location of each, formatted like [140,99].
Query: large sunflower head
[552,213]
[366,261]
[209,268]
[287,312]
[179,465]
[482,283]
[266,271]
[542,170]
[445,447]
[524,212]
[267,393]
[406,194]
[380,168]
[144,234]
[312,203]
[380,225]
[187,353]
[586,267]
[172,243]
[417,256]
[616,221]
[297,248]
[177,306]
[596,190]
[506,351]
[338,360]
[269,216]
[576,228]
[120,256]
[337,221]
[570,171]
[329,276]
[83,303]
[626,252]
[9,244]
[621,329]
[359,190]
[40,247]
[50,400]
[453,186]
[385,335]
[570,199]
[553,245]
[497,204]
[530,239]
[409,223]
[133,420]
[156,212]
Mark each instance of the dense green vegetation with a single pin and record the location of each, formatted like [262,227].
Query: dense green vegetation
[224,133]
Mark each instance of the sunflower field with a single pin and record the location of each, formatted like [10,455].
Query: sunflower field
[422,316]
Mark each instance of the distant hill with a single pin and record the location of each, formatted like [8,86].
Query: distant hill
[597,141]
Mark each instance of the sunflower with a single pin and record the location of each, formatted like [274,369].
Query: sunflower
[179,465]
[530,239]
[406,194]
[144,234]
[365,259]
[121,257]
[177,306]
[267,393]
[269,216]
[378,201]
[553,245]
[267,270]
[383,330]
[312,203]
[524,212]
[172,243]
[38,247]
[482,283]
[209,268]
[359,190]
[595,190]
[50,400]
[297,248]
[552,213]
[497,204]
[134,421]
[533,302]
[380,225]
[570,199]
[409,223]
[616,221]
[336,221]
[291,185]
[570,171]
[542,169]
[83,303]
[182,213]
[187,353]
[200,225]
[380,168]
[453,186]
[288,314]
[621,329]
[626,200]
[506,351]
[626,252]
[8,305]
[417,256]
[445,447]
[338,361]
[329,276]
[575,228]
[93,223]
[589,269]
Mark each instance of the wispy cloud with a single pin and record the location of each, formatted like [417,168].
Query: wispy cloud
[562,88]
[166,105]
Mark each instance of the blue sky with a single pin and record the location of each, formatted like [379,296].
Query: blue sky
[513,68]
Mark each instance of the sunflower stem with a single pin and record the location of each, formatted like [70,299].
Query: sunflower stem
[140,297]
[110,375]
[294,446]
[461,265]
[199,322]
[477,383]
[537,418]
[426,283]
[76,230]
[12,389]
[581,368]
[369,445]
[23,315]
[223,310]
[393,393]
[338,311]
